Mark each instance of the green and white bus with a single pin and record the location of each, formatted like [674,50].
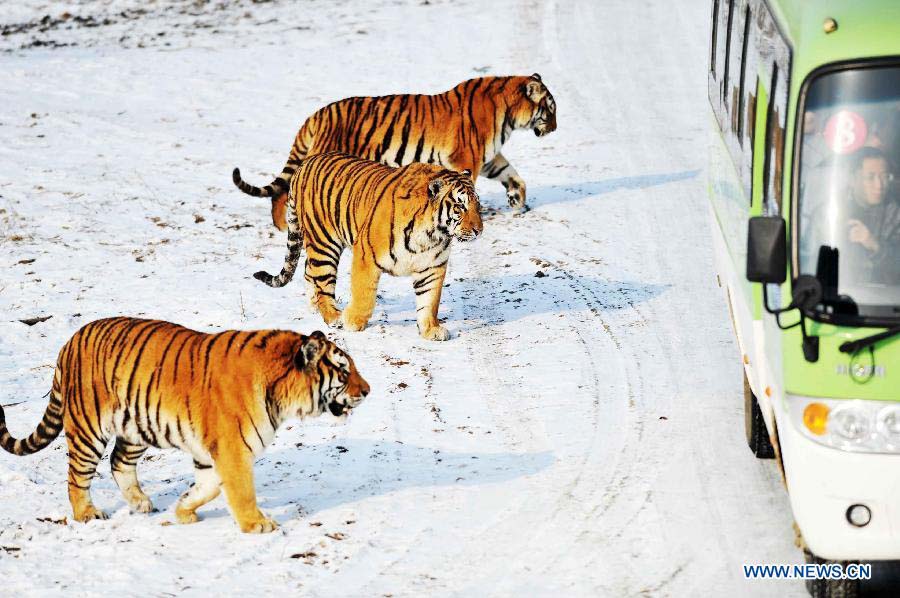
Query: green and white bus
[805,203]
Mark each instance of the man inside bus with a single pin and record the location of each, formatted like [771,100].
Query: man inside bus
[872,220]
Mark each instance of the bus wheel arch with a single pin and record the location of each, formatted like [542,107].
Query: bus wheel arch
[755,430]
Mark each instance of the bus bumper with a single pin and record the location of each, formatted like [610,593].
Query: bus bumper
[823,483]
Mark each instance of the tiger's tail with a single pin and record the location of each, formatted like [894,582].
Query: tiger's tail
[280,184]
[45,433]
[294,243]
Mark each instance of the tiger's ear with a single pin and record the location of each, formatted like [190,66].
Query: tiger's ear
[434,187]
[467,173]
[536,76]
[534,90]
[310,350]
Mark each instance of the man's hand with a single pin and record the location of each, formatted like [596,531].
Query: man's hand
[859,233]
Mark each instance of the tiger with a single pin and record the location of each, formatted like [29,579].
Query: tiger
[220,397]
[396,220]
[462,129]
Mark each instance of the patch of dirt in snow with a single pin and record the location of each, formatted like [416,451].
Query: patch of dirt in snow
[136,24]
[163,24]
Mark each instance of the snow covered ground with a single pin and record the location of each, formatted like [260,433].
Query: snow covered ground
[582,432]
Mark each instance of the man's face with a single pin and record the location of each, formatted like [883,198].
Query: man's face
[872,180]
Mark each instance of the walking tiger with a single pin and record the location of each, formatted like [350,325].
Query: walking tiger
[462,129]
[220,397]
[396,220]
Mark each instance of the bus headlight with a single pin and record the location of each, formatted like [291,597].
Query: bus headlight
[888,424]
[848,424]
[851,423]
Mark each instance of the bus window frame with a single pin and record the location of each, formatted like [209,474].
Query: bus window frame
[796,162]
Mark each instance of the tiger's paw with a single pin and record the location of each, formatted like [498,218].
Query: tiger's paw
[263,525]
[436,333]
[332,317]
[515,194]
[142,505]
[516,198]
[186,517]
[355,323]
[90,513]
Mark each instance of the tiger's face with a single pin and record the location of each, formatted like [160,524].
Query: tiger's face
[458,212]
[534,107]
[334,382]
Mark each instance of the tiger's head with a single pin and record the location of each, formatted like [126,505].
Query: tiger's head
[532,106]
[458,211]
[327,380]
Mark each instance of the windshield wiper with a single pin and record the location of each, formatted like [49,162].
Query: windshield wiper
[860,344]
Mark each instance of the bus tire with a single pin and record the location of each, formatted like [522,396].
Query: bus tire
[830,588]
[755,426]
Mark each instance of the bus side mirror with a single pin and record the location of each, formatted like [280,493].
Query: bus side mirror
[767,250]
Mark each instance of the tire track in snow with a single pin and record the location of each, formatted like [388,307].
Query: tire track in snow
[586,473]
[614,486]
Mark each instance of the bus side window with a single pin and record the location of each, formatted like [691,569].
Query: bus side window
[728,27]
[773,168]
[743,61]
[740,117]
[746,112]
[715,30]
[718,59]
[778,140]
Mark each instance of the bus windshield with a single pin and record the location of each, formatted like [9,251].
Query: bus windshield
[849,208]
